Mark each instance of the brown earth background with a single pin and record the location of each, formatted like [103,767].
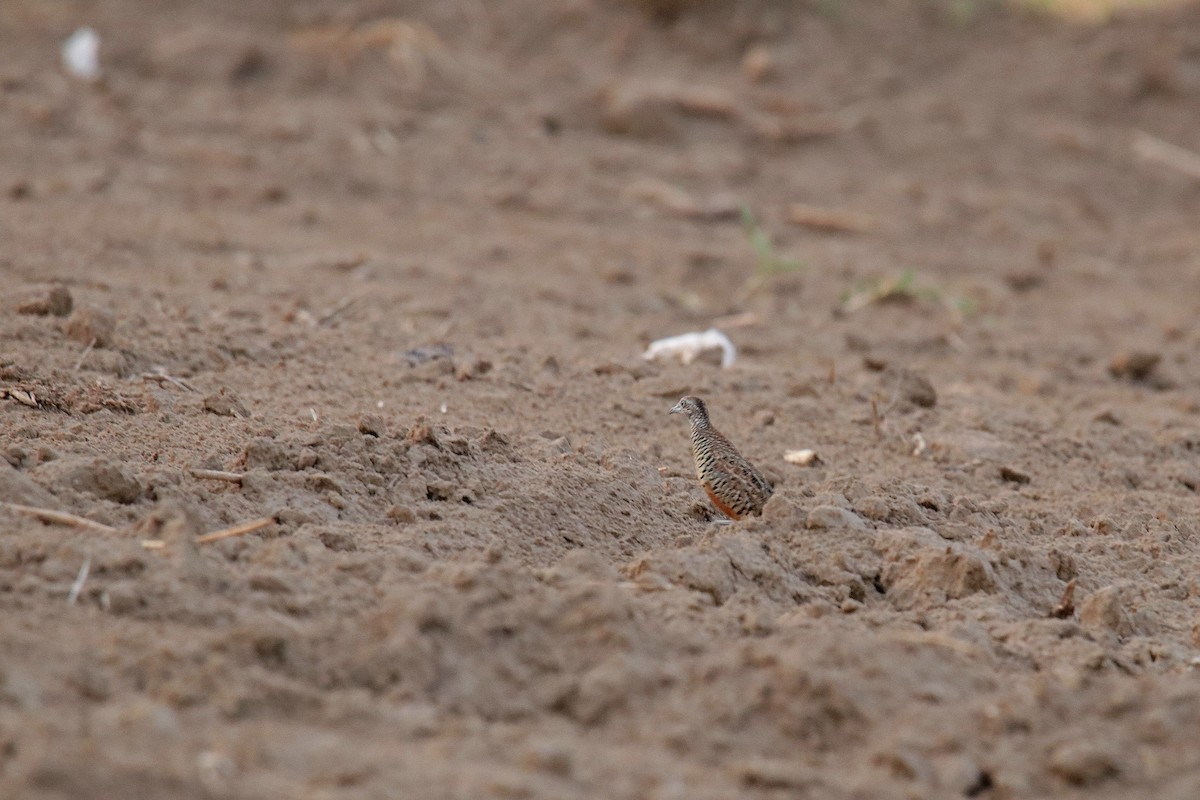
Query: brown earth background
[394,266]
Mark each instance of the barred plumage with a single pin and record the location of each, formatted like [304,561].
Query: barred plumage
[732,483]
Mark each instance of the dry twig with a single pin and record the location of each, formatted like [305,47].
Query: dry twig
[834,220]
[1066,604]
[742,320]
[84,354]
[216,475]
[1151,148]
[343,306]
[77,586]
[21,396]
[236,530]
[161,377]
[61,517]
[936,639]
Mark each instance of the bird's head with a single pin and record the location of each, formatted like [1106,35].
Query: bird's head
[692,406]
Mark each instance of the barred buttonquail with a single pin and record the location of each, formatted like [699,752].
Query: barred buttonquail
[732,483]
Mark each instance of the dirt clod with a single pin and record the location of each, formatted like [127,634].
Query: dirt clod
[102,478]
[1103,611]
[834,517]
[1013,475]
[56,302]
[909,386]
[224,403]
[1135,365]
[1083,763]
[89,325]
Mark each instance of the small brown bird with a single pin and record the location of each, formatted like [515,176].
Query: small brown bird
[732,483]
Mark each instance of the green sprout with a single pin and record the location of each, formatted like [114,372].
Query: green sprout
[903,288]
[769,261]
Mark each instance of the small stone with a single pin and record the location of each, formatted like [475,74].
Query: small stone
[834,517]
[802,458]
[1103,612]
[1013,475]
[472,368]
[911,386]
[372,425]
[91,326]
[1083,763]
[758,64]
[225,404]
[121,597]
[1135,365]
[423,355]
[874,363]
[402,515]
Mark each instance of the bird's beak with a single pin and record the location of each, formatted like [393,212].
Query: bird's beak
[678,409]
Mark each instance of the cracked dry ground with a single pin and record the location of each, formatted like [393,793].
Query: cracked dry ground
[394,264]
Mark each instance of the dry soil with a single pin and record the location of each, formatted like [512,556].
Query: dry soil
[393,265]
